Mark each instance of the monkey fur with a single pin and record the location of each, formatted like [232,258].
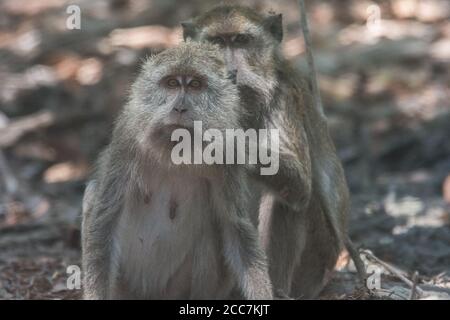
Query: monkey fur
[303,217]
[155,230]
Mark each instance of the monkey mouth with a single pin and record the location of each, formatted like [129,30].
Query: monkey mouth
[163,132]
[174,126]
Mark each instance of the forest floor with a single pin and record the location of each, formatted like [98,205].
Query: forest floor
[386,98]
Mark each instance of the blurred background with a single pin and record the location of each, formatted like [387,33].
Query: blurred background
[384,76]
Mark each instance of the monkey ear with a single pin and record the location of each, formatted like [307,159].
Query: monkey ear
[189,30]
[274,24]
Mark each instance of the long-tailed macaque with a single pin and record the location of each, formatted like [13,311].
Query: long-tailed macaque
[153,229]
[303,220]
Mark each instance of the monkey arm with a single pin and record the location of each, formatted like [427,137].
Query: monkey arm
[292,183]
[246,260]
[96,244]
[102,205]
[242,250]
[94,284]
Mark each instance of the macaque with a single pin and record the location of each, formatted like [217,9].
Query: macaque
[153,229]
[303,214]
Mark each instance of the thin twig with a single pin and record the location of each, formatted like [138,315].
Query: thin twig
[9,181]
[415,278]
[21,126]
[354,254]
[359,264]
[310,58]
[394,271]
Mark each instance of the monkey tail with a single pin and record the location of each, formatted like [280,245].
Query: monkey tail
[354,254]
[346,242]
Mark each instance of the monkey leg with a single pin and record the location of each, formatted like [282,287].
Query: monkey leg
[99,218]
[319,256]
[285,243]
[247,260]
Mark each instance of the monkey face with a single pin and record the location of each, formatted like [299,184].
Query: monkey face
[182,85]
[184,94]
[247,39]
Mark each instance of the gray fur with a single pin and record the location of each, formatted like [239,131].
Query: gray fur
[303,226]
[154,230]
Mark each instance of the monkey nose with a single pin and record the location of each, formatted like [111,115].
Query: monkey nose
[232,75]
[180,109]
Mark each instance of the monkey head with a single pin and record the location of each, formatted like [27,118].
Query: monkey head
[249,43]
[177,87]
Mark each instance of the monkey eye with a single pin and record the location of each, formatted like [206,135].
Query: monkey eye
[217,40]
[242,39]
[172,83]
[195,84]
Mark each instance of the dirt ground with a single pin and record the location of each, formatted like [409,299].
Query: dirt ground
[385,90]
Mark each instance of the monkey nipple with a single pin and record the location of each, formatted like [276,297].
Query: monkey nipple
[147,198]
[173,210]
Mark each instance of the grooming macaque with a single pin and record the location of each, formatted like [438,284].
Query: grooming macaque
[303,217]
[156,230]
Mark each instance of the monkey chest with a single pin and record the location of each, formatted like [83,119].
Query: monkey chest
[166,243]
